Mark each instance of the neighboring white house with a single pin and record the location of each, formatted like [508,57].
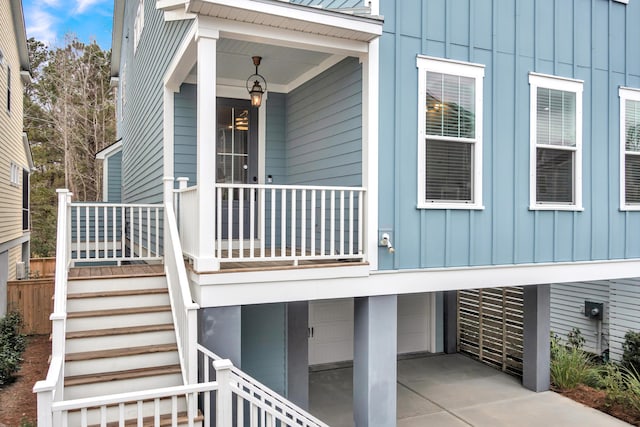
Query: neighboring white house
[15,155]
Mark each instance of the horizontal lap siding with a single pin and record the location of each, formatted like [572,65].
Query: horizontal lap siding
[11,126]
[324,128]
[276,133]
[141,129]
[625,313]
[567,311]
[185,140]
[114,170]
[592,40]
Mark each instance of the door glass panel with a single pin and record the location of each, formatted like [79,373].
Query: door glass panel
[232,145]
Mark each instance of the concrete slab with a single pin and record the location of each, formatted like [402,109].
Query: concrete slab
[454,391]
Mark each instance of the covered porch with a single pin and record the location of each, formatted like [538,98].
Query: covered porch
[291,182]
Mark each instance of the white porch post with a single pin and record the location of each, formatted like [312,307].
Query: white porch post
[370,90]
[206,152]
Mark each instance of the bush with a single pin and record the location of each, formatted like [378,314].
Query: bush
[571,366]
[631,381]
[631,351]
[12,345]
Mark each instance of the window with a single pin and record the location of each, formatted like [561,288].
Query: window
[25,199]
[629,149]
[138,24]
[449,134]
[8,89]
[556,143]
[15,174]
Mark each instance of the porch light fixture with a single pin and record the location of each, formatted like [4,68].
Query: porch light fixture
[255,83]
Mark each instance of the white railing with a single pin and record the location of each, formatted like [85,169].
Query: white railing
[186,203]
[263,406]
[115,232]
[288,222]
[52,388]
[183,308]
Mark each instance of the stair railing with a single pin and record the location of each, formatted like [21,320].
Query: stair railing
[51,389]
[262,406]
[182,306]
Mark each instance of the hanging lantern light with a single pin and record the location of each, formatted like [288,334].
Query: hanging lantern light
[256,84]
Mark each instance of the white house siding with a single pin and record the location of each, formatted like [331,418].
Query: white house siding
[11,145]
[624,313]
[567,310]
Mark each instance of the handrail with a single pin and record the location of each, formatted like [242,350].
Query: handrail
[51,389]
[184,310]
[259,391]
[288,187]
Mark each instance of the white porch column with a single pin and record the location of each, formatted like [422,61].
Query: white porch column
[370,99]
[206,151]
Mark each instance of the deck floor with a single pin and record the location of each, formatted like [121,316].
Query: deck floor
[135,270]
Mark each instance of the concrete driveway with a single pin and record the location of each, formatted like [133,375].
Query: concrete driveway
[454,391]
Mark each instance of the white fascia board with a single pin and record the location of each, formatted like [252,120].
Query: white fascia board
[21,34]
[183,61]
[27,151]
[314,72]
[116,36]
[285,38]
[300,13]
[287,285]
[170,4]
[109,151]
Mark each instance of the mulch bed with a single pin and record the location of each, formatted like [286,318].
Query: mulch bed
[597,399]
[17,401]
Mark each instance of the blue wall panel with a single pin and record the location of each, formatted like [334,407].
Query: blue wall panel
[275,153]
[114,170]
[185,133]
[591,40]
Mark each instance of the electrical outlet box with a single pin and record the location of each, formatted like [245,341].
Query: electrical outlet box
[593,310]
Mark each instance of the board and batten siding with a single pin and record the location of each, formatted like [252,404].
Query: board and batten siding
[567,311]
[591,40]
[11,128]
[624,313]
[142,75]
[114,177]
[324,128]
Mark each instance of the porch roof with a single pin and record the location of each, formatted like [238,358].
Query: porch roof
[288,16]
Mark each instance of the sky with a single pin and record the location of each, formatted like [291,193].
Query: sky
[49,20]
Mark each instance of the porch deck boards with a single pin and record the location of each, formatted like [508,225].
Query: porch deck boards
[113,271]
[237,265]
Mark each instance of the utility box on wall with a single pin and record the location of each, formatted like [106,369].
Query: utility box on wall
[593,310]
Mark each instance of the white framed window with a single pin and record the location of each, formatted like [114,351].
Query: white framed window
[629,149]
[449,134]
[138,24]
[8,89]
[15,174]
[556,143]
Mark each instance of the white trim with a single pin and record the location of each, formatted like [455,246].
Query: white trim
[632,94]
[105,181]
[457,68]
[319,69]
[109,151]
[564,84]
[168,131]
[282,285]
[370,143]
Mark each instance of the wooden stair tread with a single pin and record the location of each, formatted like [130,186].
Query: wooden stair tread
[120,331]
[118,311]
[119,352]
[165,420]
[123,293]
[121,375]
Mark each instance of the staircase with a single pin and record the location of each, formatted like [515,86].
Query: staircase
[120,338]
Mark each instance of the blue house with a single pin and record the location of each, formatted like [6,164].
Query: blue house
[318,180]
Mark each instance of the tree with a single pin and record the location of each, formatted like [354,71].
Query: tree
[69,116]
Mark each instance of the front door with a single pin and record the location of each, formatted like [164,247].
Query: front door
[237,158]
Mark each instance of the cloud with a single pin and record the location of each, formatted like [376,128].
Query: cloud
[49,3]
[40,25]
[83,5]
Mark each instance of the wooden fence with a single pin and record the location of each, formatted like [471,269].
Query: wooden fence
[490,327]
[42,267]
[34,300]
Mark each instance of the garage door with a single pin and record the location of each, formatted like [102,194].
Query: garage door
[331,328]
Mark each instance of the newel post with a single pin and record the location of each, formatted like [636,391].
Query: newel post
[45,398]
[224,409]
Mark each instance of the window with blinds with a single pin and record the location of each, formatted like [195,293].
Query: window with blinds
[630,148]
[556,122]
[450,134]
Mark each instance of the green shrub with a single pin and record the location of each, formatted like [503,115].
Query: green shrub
[612,381]
[575,338]
[631,351]
[631,381]
[571,366]
[12,345]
